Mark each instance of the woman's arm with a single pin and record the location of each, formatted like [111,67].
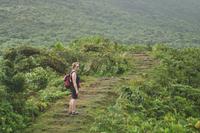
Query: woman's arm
[74,82]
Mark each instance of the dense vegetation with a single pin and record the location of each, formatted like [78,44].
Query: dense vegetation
[174,22]
[32,78]
[164,100]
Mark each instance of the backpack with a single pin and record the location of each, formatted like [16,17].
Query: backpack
[68,80]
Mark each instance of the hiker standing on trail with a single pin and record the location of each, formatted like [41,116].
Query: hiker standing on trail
[74,88]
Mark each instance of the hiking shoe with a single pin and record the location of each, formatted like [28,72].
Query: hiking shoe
[74,113]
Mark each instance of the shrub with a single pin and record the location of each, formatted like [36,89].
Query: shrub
[50,94]
[18,83]
[9,120]
[37,79]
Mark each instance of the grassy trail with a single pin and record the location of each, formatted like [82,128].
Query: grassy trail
[94,97]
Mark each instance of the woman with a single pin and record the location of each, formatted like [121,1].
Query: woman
[74,89]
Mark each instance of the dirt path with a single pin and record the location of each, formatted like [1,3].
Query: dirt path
[94,96]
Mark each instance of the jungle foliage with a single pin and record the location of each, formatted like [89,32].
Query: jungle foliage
[165,100]
[32,78]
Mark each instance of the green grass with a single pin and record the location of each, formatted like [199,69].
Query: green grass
[118,81]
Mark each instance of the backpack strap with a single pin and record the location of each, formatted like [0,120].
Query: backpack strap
[72,72]
[71,75]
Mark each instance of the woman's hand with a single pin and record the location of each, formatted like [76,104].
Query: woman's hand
[76,92]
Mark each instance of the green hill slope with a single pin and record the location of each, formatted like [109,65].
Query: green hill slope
[175,22]
[152,89]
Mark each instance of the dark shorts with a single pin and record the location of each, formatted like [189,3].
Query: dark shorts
[73,93]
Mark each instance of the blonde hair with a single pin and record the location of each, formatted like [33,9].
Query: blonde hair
[75,64]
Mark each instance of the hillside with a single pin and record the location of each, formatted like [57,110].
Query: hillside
[139,65]
[42,22]
[150,89]
[95,96]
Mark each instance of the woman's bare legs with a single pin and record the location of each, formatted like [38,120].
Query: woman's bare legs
[73,105]
[75,102]
[70,106]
